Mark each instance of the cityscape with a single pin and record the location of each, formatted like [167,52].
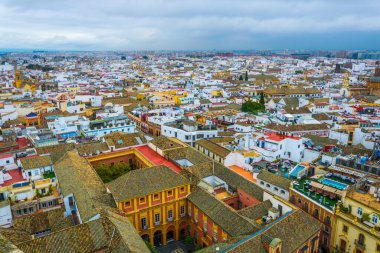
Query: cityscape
[190,126]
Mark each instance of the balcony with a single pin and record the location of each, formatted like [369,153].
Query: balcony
[144,227]
[157,223]
[170,219]
[345,214]
[360,245]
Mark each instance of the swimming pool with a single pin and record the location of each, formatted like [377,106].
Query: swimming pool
[294,172]
[333,183]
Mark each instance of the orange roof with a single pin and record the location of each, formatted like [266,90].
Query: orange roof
[242,172]
[279,137]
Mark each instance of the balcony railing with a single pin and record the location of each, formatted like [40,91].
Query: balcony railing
[170,218]
[157,223]
[359,244]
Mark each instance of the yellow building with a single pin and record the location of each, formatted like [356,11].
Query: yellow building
[357,221]
[216,93]
[154,199]
[18,79]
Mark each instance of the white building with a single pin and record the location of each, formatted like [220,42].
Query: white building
[188,132]
[275,146]
[99,128]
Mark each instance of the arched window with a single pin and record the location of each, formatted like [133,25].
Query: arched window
[316,213]
[327,220]
[360,211]
[361,239]
[305,207]
[375,218]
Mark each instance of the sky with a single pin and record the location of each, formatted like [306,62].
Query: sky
[190,24]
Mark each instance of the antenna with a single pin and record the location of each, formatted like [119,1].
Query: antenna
[213,168]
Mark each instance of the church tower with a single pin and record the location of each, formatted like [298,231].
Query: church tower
[18,78]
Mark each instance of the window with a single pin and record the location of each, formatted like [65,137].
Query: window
[170,193]
[361,239]
[30,209]
[282,192]
[345,229]
[182,210]
[156,197]
[275,188]
[143,223]
[18,212]
[261,182]
[182,189]
[268,185]
[170,215]
[378,247]
[360,211]
[375,218]
[128,203]
[157,218]
[43,191]
[142,201]
[316,213]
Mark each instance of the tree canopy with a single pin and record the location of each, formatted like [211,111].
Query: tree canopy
[109,173]
[253,107]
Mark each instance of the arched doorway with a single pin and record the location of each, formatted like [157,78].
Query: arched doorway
[170,236]
[145,237]
[157,238]
[182,234]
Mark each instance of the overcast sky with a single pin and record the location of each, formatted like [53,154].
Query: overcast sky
[192,25]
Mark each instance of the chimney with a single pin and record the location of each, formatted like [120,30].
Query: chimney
[275,246]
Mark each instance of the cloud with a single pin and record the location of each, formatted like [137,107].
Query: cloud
[188,24]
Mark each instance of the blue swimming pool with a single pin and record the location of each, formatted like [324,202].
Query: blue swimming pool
[294,172]
[333,183]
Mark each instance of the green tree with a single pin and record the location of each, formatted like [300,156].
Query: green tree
[262,101]
[253,107]
[241,78]
[246,75]
[109,173]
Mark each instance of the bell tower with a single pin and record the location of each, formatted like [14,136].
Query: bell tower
[18,78]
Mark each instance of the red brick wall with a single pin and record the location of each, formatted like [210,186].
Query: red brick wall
[246,200]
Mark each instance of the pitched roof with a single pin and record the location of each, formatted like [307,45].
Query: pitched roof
[295,128]
[24,227]
[213,147]
[321,116]
[226,217]
[320,141]
[7,246]
[120,140]
[34,162]
[291,102]
[297,110]
[222,139]
[56,151]
[293,230]
[162,142]
[256,211]
[91,148]
[145,181]
[107,233]
[274,179]
[76,176]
